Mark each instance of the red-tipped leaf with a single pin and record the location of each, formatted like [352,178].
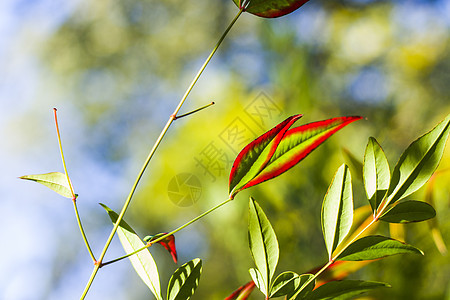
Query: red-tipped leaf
[269,8]
[168,243]
[280,150]
[255,156]
[243,292]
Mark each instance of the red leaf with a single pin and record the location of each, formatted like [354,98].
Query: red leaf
[255,156]
[270,8]
[243,292]
[280,149]
[168,243]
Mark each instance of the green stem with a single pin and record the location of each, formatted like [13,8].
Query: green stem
[333,259]
[149,244]
[74,196]
[153,150]
[194,111]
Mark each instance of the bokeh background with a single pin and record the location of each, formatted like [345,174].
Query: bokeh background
[116,70]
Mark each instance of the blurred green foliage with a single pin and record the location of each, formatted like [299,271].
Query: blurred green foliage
[125,65]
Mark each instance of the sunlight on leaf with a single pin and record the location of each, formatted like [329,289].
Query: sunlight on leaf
[275,152]
[375,247]
[143,261]
[418,162]
[337,209]
[56,181]
[376,173]
[263,244]
[286,283]
[409,211]
[184,280]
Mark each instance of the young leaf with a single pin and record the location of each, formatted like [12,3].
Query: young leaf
[286,283]
[344,289]
[375,247]
[259,280]
[263,244]
[243,292]
[294,146]
[376,173]
[409,211]
[143,261]
[56,181]
[255,156]
[168,243]
[269,8]
[184,280]
[337,209]
[418,162]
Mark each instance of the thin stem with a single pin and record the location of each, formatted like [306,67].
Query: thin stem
[194,111]
[74,196]
[333,259]
[149,244]
[153,150]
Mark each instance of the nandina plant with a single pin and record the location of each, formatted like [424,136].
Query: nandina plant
[268,156]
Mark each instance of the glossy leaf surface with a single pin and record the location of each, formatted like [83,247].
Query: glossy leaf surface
[345,289]
[243,292]
[418,162]
[375,247]
[168,243]
[184,280]
[409,211]
[376,173]
[290,149]
[263,244]
[270,8]
[143,261]
[337,209]
[55,181]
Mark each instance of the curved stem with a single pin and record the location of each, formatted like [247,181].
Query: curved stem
[152,152]
[74,196]
[149,244]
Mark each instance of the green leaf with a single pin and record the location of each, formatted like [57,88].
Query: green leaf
[143,261]
[337,209]
[278,150]
[376,173]
[184,280]
[56,181]
[305,289]
[345,289]
[259,280]
[286,283]
[270,8]
[418,162]
[374,247]
[263,244]
[409,211]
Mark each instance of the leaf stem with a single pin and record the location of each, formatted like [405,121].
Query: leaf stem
[333,259]
[74,196]
[149,244]
[153,150]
